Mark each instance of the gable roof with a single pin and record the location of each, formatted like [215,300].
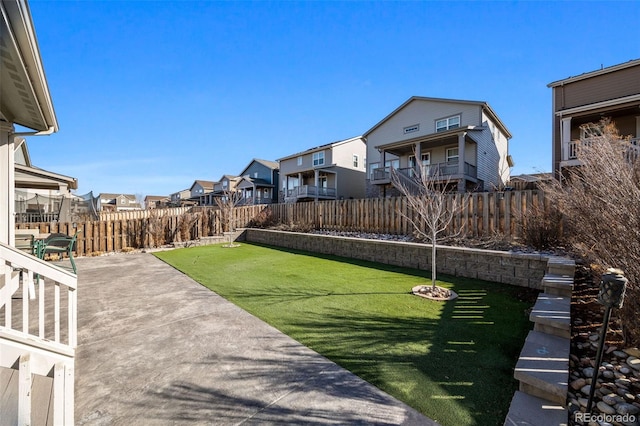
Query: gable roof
[205,184]
[584,76]
[108,195]
[36,178]
[485,106]
[273,165]
[320,148]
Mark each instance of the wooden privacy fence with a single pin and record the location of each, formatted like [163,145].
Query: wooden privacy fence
[154,229]
[484,215]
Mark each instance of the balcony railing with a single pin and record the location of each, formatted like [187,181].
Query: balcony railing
[311,191]
[572,148]
[436,171]
[31,217]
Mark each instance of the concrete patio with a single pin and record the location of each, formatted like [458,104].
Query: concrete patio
[155,347]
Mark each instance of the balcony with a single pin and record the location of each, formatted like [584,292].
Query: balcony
[438,171]
[310,191]
[571,150]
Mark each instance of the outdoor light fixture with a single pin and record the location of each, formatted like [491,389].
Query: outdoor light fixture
[611,295]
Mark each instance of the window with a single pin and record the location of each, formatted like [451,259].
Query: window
[255,175]
[452,155]
[355,160]
[322,181]
[318,158]
[448,123]
[300,161]
[411,129]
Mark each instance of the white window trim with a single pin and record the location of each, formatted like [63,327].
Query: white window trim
[448,125]
[300,160]
[318,158]
[356,160]
[411,129]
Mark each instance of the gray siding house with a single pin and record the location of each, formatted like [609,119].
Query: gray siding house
[259,182]
[329,172]
[458,141]
[612,92]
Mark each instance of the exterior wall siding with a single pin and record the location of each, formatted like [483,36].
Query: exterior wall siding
[599,88]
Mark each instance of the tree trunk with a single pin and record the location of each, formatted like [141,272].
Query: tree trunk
[433,261]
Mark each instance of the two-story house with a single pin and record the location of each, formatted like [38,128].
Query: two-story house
[328,172]
[259,182]
[117,202]
[200,191]
[156,201]
[181,198]
[461,142]
[612,92]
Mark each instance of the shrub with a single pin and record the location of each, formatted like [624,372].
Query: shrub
[599,202]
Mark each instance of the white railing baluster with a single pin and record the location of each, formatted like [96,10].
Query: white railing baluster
[56,311]
[25,305]
[41,313]
[73,319]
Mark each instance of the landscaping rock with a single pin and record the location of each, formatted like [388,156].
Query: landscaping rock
[605,408]
[578,384]
[633,362]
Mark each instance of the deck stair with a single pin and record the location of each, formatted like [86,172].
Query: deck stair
[543,366]
[38,337]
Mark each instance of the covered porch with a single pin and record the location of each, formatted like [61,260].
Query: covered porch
[447,156]
[316,184]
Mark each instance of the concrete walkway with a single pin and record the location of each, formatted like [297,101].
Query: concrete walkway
[155,347]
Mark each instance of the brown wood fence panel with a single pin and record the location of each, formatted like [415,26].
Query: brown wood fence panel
[484,215]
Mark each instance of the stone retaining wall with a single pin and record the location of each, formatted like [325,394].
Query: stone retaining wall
[521,269]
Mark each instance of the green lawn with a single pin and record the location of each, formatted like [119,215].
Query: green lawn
[451,361]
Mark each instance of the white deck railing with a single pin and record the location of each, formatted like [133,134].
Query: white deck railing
[38,329]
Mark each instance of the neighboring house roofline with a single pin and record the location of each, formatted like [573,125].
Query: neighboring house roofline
[602,104]
[21,144]
[485,106]
[205,184]
[590,74]
[24,54]
[273,165]
[320,148]
[72,183]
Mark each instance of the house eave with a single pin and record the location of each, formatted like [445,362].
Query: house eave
[26,99]
[590,74]
[597,105]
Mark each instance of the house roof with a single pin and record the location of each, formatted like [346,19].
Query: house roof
[250,182]
[25,96]
[156,198]
[207,185]
[590,74]
[485,106]
[533,177]
[320,148]
[106,195]
[36,178]
[273,165]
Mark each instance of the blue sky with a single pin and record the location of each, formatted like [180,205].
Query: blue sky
[152,95]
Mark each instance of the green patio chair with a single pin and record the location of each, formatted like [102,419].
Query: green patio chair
[59,244]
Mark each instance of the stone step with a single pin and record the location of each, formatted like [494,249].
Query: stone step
[527,410]
[552,314]
[559,285]
[561,266]
[543,367]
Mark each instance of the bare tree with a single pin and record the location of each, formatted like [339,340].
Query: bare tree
[433,207]
[227,203]
[599,203]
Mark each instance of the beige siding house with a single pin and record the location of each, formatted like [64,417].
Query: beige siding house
[328,172]
[456,140]
[612,92]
